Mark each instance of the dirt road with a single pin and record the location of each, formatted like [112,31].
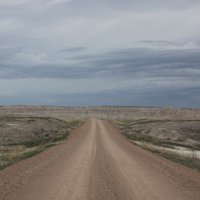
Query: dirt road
[97,163]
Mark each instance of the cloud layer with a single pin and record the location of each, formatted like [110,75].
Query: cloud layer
[107,52]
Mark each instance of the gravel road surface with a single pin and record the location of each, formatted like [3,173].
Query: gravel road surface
[97,163]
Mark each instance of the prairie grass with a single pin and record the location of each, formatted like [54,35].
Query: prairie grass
[11,154]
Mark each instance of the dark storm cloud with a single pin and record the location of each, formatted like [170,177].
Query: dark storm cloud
[132,62]
[179,97]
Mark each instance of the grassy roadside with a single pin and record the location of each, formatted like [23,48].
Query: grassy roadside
[163,148]
[191,161]
[20,152]
[10,154]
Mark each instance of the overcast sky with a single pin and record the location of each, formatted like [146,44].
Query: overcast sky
[100,52]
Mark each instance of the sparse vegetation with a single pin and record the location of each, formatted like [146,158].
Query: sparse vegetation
[103,112]
[43,141]
[29,153]
[164,136]
[8,157]
[30,127]
[25,145]
[192,161]
[166,133]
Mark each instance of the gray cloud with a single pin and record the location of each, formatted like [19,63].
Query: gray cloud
[72,49]
[13,2]
[126,63]
[142,5]
[147,51]
[187,97]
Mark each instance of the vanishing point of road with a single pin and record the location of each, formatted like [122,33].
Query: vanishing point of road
[97,163]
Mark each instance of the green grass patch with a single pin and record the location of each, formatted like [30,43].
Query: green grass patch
[43,141]
[30,153]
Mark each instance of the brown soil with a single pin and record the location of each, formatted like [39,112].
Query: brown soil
[98,163]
